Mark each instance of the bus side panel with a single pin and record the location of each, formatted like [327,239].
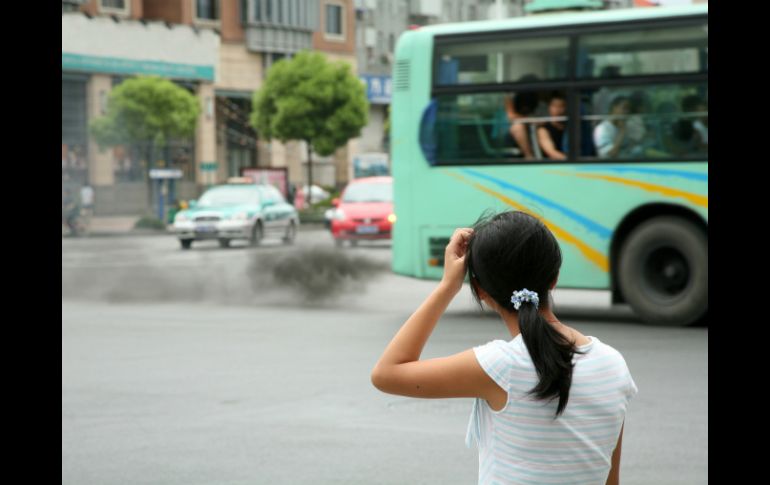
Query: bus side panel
[582,212]
[410,97]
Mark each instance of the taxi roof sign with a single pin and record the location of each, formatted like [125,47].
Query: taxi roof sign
[240,180]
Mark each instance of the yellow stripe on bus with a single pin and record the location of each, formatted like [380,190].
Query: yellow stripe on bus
[699,200]
[590,253]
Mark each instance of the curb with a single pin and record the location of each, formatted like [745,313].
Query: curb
[308,226]
[131,233]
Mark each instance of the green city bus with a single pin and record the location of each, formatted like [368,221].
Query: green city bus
[622,95]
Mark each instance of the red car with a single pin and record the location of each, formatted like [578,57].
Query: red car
[364,211]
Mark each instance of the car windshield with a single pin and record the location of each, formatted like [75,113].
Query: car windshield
[227,196]
[369,192]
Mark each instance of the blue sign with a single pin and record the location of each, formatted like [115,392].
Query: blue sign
[378,88]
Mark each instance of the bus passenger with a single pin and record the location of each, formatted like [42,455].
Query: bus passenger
[550,135]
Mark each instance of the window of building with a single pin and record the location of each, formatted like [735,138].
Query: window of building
[113,6]
[334,20]
[207,9]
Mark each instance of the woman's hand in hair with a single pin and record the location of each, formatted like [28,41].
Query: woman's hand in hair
[454,259]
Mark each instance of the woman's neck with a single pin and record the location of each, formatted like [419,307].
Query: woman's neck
[511,321]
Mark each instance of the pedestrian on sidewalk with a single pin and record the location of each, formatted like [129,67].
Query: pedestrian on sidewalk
[70,211]
[87,204]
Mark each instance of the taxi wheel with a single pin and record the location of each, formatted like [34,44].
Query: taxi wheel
[186,243]
[256,234]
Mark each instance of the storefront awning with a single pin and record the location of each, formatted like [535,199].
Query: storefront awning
[129,47]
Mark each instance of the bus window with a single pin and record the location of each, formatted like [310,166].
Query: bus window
[486,127]
[503,60]
[649,122]
[644,51]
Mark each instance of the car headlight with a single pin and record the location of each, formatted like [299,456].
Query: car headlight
[392,218]
[241,216]
[181,218]
[339,215]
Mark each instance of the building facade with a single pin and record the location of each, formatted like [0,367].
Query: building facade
[220,51]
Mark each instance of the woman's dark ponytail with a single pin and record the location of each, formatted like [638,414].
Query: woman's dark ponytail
[551,355]
[510,252]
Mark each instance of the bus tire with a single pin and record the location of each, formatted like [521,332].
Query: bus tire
[663,271]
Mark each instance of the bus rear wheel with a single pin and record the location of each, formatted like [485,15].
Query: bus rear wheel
[663,271]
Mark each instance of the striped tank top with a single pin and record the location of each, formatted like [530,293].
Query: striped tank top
[523,443]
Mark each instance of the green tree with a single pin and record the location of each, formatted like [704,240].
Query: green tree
[311,99]
[146,112]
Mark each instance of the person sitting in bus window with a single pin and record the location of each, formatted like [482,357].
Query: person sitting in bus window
[602,97]
[639,106]
[551,134]
[518,106]
[693,104]
[639,130]
[665,114]
[686,139]
[610,136]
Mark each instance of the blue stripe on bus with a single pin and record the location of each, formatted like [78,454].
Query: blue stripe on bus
[701,177]
[602,231]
